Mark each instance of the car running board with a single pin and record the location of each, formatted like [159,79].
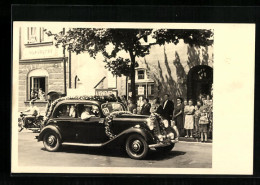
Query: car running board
[83,144]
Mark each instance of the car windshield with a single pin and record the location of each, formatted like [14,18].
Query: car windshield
[110,107]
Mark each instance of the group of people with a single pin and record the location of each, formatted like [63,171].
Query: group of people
[192,120]
[37,94]
[196,119]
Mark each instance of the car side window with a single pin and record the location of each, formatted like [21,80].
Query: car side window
[86,111]
[65,111]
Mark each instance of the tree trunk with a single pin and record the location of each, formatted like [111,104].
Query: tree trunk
[132,76]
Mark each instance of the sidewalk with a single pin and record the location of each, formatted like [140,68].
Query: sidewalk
[192,139]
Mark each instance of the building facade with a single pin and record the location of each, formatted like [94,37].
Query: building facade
[41,67]
[178,70]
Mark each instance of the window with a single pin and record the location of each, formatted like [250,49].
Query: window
[65,111]
[140,74]
[37,87]
[37,84]
[32,36]
[37,35]
[87,111]
[110,107]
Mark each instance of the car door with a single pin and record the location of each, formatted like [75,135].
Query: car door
[91,129]
[65,119]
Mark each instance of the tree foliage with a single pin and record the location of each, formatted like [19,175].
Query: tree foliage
[110,42]
[192,37]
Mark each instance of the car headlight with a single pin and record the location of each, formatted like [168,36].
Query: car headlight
[150,124]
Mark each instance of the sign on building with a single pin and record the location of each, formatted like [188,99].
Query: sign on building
[105,92]
[140,90]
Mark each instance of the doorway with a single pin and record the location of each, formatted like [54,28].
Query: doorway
[199,81]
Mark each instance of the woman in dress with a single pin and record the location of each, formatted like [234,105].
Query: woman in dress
[189,119]
[178,116]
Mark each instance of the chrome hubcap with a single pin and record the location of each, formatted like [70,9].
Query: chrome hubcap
[136,146]
[51,140]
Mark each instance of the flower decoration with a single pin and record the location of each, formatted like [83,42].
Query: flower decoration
[98,98]
[109,120]
[157,121]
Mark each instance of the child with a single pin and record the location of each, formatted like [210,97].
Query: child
[196,119]
[203,123]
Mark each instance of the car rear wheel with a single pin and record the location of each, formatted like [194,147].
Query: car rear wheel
[165,149]
[136,147]
[51,141]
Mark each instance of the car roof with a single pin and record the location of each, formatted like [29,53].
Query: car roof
[84,101]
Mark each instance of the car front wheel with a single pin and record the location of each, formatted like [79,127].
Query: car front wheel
[51,141]
[165,149]
[136,147]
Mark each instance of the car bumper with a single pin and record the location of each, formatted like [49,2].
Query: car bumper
[163,144]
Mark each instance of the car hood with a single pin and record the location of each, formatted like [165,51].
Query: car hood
[134,116]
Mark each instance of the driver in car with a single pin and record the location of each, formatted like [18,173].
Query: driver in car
[86,114]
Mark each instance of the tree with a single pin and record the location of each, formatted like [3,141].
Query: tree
[199,37]
[110,42]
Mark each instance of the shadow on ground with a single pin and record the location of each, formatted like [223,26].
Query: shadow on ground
[116,152]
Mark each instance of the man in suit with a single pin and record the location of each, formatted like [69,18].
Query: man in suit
[145,110]
[168,107]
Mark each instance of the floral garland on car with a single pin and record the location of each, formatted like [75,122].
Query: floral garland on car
[98,98]
[109,120]
[157,121]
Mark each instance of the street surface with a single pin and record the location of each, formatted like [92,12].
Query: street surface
[183,155]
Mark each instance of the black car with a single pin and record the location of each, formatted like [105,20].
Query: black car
[99,122]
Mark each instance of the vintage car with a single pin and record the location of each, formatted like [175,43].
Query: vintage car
[100,122]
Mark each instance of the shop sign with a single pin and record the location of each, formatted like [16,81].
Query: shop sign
[105,92]
[140,90]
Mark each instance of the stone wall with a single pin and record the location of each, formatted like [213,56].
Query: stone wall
[170,64]
[55,80]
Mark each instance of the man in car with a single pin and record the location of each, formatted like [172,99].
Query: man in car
[86,114]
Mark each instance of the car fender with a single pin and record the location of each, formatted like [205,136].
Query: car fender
[49,128]
[120,138]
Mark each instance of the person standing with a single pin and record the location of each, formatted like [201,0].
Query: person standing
[140,103]
[178,116]
[196,119]
[189,120]
[145,109]
[158,109]
[131,106]
[156,106]
[124,100]
[168,108]
[203,122]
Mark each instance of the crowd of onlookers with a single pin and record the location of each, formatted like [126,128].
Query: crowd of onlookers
[193,119]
